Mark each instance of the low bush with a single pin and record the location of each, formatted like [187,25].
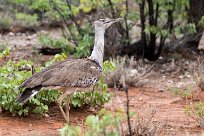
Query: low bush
[26,21]
[12,74]
[114,123]
[62,43]
[96,98]
[5,22]
[196,111]
[4,53]
[105,123]
[185,93]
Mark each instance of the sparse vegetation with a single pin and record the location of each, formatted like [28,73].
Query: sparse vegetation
[62,43]
[132,70]
[105,123]
[184,93]
[14,73]
[112,124]
[26,21]
[155,49]
[196,111]
[5,22]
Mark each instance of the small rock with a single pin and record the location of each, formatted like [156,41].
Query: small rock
[202,122]
[13,114]
[181,77]
[132,73]
[140,99]
[142,82]
[188,76]
[18,34]
[90,109]
[161,90]
[201,43]
[30,129]
[46,115]
[30,37]
[170,81]
[11,34]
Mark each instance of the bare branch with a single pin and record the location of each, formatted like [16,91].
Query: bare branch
[126,24]
[73,18]
[59,11]
[142,19]
[112,9]
[127,104]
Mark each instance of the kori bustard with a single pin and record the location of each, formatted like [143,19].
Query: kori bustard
[72,74]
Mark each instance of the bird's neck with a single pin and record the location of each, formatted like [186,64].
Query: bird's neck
[98,50]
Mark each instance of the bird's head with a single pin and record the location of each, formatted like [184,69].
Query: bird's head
[104,23]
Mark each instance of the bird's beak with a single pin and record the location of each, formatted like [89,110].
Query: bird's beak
[112,21]
[117,20]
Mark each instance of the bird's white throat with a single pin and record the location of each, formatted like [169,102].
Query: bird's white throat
[98,50]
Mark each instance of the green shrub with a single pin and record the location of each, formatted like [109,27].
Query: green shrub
[114,123]
[196,111]
[96,98]
[185,93]
[26,20]
[4,53]
[84,45]
[5,22]
[105,123]
[62,43]
[201,22]
[12,75]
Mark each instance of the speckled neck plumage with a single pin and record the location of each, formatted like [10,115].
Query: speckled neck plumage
[98,50]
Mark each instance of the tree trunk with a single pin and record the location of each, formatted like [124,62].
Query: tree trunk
[196,11]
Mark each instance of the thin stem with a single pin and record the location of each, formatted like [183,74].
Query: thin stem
[112,9]
[142,19]
[127,104]
[126,24]
[64,20]
[72,17]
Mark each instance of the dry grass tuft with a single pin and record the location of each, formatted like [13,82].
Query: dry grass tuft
[146,125]
[134,71]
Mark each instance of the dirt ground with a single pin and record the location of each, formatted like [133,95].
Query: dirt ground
[169,109]
[153,95]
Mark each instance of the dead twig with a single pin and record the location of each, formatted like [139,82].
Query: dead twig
[73,18]
[127,104]
[126,24]
[59,11]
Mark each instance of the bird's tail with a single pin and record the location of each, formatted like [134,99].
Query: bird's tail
[27,94]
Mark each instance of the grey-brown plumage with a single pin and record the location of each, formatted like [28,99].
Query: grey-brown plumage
[72,74]
[79,73]
[68,73]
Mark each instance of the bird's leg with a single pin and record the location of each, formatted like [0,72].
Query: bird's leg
[59,101]
[93,89]
[67,102]
[67,108]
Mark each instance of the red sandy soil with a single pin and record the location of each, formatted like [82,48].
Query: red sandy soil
[169,109]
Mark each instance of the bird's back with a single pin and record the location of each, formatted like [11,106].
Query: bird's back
[68,73]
